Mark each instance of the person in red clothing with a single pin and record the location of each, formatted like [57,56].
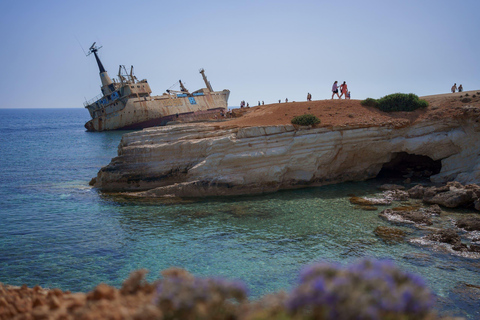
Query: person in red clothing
[343,90]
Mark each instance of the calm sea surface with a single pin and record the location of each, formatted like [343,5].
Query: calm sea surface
[56,231]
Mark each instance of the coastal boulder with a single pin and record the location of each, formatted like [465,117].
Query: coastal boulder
[412,216]
[451,199]
[446,236]
[452,195]
[416,192]
[469,223]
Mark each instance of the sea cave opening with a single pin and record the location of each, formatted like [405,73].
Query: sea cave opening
[404,166]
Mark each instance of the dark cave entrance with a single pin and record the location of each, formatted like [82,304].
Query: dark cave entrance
[405,166]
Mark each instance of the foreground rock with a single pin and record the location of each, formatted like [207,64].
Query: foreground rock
[206,160]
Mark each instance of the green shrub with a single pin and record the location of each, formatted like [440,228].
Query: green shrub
[401,102]
[305,120]
[369,102]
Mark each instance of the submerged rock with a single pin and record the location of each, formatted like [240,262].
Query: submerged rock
[390,234]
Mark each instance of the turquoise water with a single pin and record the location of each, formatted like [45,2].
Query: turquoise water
[58,232]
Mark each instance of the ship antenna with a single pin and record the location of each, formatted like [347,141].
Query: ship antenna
[93,49]
[80,45]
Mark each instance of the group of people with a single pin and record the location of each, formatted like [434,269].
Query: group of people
[343,90]
[454,88]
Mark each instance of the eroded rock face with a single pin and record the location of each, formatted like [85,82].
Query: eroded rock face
[202,160]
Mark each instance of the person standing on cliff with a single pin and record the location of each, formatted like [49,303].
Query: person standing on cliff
[335,89]
[309,97]
[454,88]
[460,88]
[343,90]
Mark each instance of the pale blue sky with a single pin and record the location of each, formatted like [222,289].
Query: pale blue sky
[259,50]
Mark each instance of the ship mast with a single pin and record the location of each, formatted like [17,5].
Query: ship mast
[182,87]
[207,83]
[107,83]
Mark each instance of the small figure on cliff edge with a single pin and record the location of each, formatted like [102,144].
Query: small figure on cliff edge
[286,100]
[348,95]
[454,88]
[460,88]
[343,90]
[309,97]
[335,89]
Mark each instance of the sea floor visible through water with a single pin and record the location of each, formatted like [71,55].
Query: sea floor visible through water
[56,231]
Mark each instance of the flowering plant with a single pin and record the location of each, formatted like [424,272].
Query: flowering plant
[366,290]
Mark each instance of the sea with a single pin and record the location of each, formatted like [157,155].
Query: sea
[58,232]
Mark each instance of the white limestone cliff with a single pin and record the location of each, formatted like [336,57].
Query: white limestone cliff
[204,160]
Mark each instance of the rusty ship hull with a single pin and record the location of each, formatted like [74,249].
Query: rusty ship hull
[126,102]
[144,112]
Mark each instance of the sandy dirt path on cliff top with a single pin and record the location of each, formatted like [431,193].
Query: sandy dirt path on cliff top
[350,112]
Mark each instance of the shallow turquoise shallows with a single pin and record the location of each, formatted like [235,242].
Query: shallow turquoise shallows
[56,231]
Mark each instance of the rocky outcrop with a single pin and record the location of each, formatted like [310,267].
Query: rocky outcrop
[469,223]
[204,160]
[451,195]
[449,236]
[421,216]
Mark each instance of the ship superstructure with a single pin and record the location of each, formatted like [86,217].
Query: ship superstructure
[127,103]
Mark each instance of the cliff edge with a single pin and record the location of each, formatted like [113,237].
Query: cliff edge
[262,152]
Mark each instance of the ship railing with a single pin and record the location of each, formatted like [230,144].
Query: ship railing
[89,102]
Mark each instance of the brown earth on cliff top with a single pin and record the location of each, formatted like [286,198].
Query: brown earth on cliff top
[333,113]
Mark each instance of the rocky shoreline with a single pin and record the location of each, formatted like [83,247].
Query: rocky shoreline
[462,235]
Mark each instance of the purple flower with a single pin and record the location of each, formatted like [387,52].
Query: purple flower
[363,290]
